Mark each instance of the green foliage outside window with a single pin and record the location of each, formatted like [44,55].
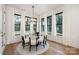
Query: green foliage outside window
[59,18]
[49,24]
[17,24]
[27,24]
[42,24]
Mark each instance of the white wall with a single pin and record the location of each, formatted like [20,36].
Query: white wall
[74,25]
[9,25]
[49,13]
[10,33]
[53,35]
[70,25]
[1,30]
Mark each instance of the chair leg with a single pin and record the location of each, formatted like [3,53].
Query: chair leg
[43,45]
[23,46]
[45,41]
[36,47]
[30,48]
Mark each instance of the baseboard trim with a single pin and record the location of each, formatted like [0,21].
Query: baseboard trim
[64,44]
[14,43]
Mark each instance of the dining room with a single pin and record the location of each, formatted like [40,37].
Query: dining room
[39,29]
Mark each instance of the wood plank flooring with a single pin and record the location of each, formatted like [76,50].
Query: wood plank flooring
[54,49]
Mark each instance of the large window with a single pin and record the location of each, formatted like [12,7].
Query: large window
[49,24]
[42,24]
[27,24]
[59,18]
[17,24]
[35,26]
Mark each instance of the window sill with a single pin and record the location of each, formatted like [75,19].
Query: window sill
[58,34]
[17,34]
[49,33]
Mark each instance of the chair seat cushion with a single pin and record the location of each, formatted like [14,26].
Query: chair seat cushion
[26,40]
[40,39]
[33,37]
[33,42]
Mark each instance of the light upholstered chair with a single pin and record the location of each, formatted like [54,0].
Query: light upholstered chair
[25,41]
[33,42]
[42,40]
[45,37]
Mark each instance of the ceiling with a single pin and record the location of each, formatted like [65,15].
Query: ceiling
[38,8]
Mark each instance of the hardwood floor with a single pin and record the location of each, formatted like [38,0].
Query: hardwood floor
[54,49]
[9,49]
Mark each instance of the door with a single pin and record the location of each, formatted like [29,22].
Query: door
[2,29]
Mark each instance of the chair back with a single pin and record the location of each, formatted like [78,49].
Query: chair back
[26,39]
[45,39]
[23,41]
[41,38]
[25,36]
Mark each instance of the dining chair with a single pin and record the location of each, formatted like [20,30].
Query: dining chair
[25,41]
[46,39]
[33,42]
[42,40]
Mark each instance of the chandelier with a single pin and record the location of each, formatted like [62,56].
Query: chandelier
[33,18]
[33,11]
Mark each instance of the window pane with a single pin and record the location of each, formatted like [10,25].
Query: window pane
[27,24]
[42,24]
[34,27]
[27,27]
[59,28]
[17,27]
[49,24]
[49,28]
[17,22]
[59,18]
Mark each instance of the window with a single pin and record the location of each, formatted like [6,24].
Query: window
[34,26]
[49,24]
[17,24]
[42,24]
[59,18]
[27,24]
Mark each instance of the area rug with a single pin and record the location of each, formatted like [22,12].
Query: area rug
[20,51]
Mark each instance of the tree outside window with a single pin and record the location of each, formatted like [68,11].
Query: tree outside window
[49,24]
[27,24]
[59,18]
[17,24]
[42,25]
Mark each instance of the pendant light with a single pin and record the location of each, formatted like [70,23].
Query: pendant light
[32,18]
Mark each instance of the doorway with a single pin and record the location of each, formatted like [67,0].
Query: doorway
[2,29]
